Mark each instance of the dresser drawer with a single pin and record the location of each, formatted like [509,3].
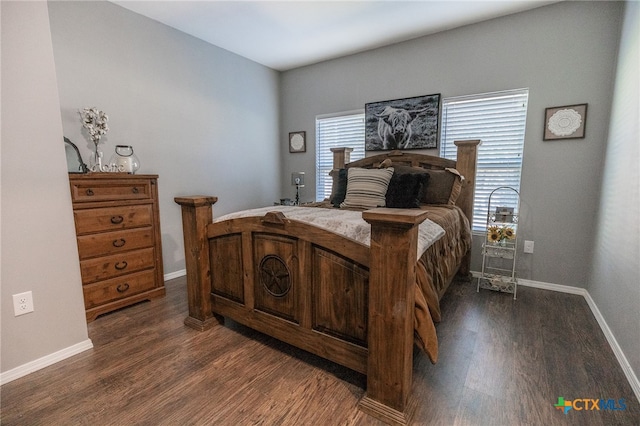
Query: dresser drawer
[101,268]
[112,218]
[97,190]
[114,242]
[118,288]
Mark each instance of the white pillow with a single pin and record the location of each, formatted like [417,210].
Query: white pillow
[366,188]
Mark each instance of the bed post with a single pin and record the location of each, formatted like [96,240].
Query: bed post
[466,165]
[392,277]
[197,213]
[341,156]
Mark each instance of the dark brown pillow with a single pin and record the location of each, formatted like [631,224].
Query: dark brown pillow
[444,187]
[339,190]
[406,190]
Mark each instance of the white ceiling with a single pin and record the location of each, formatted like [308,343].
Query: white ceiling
[288,34]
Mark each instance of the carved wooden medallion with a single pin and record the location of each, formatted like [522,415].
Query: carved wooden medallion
[275,276]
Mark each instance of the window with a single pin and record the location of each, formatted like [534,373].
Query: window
[498,119]
[332,131]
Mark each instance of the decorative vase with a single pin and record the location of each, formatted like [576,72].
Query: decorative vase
[95,162]
[124,159]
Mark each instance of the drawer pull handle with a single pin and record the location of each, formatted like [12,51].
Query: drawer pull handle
[122,287]
[116,219]
[134,190]
[119,243]
[120,265]
[89,192]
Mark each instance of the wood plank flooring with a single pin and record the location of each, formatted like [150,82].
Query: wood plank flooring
[502,362]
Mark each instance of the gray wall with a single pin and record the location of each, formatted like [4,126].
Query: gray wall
[202,118]
[614,283]
[205,120]
[564,53]
[39,251]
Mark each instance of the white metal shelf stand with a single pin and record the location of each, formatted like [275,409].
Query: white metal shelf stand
[499,248]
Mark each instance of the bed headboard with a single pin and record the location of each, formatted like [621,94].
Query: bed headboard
[465,164]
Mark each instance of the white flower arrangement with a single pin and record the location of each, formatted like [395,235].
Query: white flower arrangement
[95,121]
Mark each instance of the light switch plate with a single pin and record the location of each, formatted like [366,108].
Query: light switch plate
[528,246]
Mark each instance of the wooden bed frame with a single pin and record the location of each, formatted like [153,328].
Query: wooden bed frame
[333,297]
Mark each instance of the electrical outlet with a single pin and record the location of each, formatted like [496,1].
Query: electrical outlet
[528,246]
[22,303]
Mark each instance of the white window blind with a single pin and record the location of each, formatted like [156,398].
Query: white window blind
[336,131]
[498,120]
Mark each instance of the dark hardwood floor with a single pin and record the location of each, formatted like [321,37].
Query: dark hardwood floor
[502,362]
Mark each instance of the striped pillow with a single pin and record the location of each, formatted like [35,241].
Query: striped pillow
[366,188]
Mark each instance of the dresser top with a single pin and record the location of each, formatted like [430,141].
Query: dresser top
[94,176]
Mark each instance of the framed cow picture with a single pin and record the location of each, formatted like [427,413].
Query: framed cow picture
[409,123]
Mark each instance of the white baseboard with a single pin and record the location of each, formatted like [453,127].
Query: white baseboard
[50,359]
[553,287]
[176,274]
[617,350]
[544,286]
[45,361]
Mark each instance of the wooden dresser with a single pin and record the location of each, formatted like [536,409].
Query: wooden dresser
[118,232]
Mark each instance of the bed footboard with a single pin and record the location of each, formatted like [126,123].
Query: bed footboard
[385,308]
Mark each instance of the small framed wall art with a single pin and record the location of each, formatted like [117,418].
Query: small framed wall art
[297,141]
[565,122]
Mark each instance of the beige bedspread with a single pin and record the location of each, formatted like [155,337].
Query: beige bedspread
[347,223]
[434,271]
